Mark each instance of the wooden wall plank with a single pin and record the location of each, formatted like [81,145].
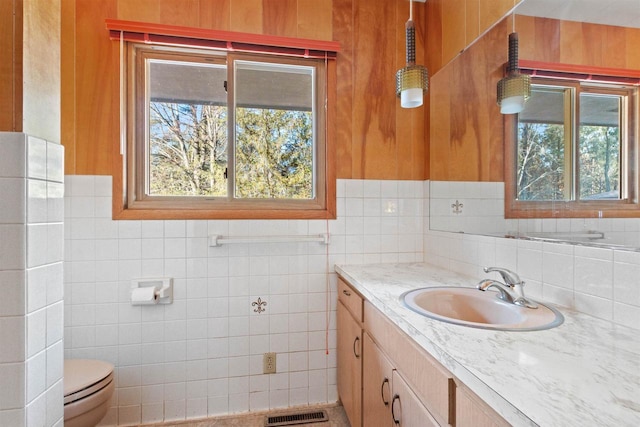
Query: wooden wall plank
[433,54]
[279,17]
[526,28]
[246,16]
[315,19]
[179,12]
[632,41]
[572,47]
[97,88]
[343,26]
[453,33]
[472,20]
[67,83]
[440,129]
[374,93]
[547,33]
[492,11]
[11,66]
[214,14]
[593,39]
[137,10]
[613,47]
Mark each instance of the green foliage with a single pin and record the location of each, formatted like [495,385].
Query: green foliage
[274,154]
[540,174]
[188,152]
[188,149]
[599,162]
[541,162]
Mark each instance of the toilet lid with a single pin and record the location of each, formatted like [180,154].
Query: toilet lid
[80,374]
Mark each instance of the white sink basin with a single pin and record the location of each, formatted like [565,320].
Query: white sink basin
[477,309]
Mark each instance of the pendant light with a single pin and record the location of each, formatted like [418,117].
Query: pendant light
[412,81]
[515,89]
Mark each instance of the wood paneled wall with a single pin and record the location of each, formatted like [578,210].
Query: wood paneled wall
[466,127]
[466,133]
[453,25]
[578,43]
[376,139]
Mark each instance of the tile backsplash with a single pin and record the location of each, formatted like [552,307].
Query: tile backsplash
[202,355]
[31,306]
[478,208]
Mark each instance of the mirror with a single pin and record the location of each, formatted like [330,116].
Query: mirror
[467,175]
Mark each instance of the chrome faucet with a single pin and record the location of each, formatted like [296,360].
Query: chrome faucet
[511,281]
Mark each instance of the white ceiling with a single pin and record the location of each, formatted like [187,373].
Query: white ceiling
[623,13]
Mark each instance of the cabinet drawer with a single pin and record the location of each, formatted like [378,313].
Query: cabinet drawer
[406,409]
[433,384]
[351,299]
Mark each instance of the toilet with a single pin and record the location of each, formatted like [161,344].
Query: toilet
[88,386]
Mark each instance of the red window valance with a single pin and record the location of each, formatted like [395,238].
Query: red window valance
[580,72]
[144,32]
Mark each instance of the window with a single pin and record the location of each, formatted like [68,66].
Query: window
[573,151]
[226,133]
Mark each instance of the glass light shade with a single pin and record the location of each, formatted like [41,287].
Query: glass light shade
[512,105]
[411,83]
[411,98]
[513,91]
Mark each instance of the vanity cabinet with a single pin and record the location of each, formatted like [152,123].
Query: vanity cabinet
[385,379]
[433,385]
[387,399]
[376,386]
[349,352]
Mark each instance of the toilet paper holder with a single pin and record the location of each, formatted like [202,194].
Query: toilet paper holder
[162,291]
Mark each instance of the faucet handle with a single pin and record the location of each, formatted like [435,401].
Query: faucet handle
[509,277]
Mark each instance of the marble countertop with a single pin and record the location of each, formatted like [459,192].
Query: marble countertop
[586,372]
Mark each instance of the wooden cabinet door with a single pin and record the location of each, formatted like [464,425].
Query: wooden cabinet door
[377,372]
[349,373]
[471,411]
[406,409]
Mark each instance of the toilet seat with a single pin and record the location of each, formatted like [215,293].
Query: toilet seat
[84,377]
[88,386]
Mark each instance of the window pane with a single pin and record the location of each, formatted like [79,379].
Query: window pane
[187,129]
[599,157]
[274,140]
[541,146]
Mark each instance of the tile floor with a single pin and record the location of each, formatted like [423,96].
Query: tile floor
[337,418]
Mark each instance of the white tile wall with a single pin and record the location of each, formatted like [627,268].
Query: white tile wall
[476,207]
[481,210]
[599,282]
[31,252]
[202,355]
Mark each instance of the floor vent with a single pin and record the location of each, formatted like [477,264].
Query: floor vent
[293,419]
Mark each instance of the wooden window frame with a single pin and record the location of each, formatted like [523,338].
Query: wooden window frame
[628,207]
[128,157]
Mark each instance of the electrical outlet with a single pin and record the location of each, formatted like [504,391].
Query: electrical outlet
[269,363]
